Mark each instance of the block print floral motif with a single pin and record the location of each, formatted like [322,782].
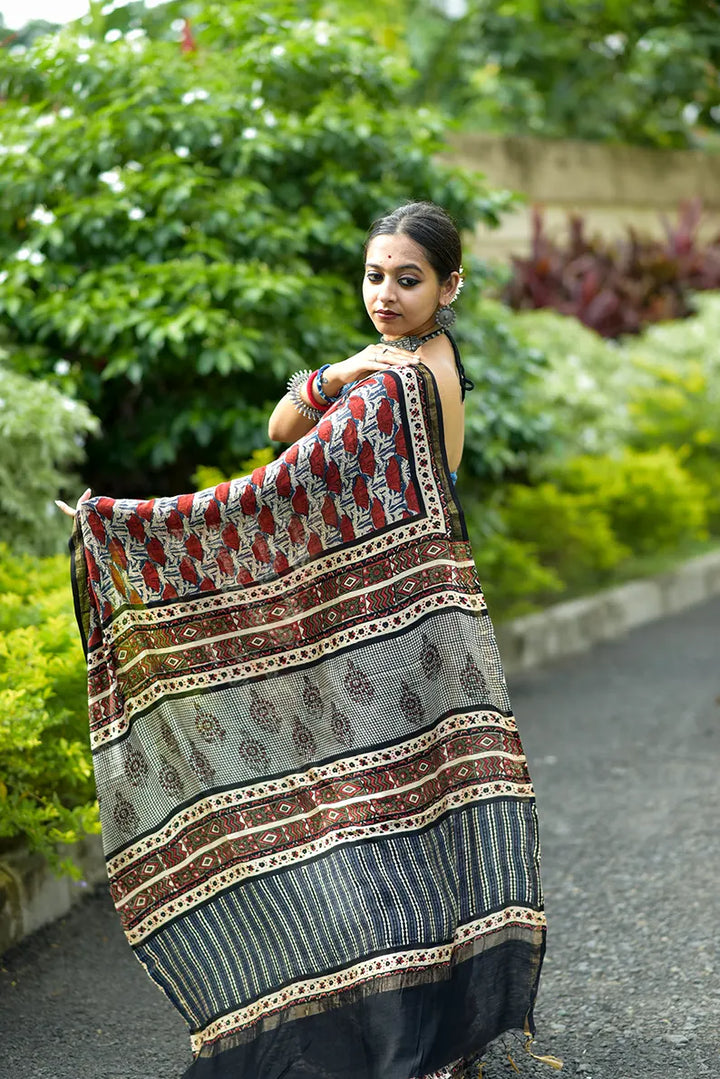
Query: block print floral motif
[411,704]
[169,779]
[312,698]
[303,738]
[124,814]
[168,736]
[264,712]
[135,767]
[473,680]
[254,753]
[201,765]
[359,687]
[208,726]
[341,727]
[430,658]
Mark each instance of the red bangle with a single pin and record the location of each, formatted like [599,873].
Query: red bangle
[322,405]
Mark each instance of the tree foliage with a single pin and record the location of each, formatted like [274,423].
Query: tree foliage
[183,222]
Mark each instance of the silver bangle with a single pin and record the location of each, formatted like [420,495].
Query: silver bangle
[293,388]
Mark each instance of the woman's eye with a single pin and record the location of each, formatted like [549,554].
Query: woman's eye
[408,282]
[374,277]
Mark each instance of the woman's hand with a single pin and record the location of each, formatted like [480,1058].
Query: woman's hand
[68,510]
[369,359]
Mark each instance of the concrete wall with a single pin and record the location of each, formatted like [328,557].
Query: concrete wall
[612,186]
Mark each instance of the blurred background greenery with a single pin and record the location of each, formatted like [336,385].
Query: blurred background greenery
[184,190]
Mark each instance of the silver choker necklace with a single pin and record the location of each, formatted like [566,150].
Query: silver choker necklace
[411,343]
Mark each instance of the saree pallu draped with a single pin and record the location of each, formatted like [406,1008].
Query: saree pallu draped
[319,826]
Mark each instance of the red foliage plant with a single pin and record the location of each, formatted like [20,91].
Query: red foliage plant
[616,288]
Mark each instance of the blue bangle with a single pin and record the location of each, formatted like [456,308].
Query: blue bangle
[318,386]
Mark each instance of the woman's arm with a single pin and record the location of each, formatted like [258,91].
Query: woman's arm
[287,425]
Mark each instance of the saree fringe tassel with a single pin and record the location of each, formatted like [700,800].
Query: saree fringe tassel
[318,822]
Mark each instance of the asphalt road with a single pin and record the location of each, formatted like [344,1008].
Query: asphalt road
[624,747]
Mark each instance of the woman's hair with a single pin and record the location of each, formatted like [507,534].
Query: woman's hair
[430,227]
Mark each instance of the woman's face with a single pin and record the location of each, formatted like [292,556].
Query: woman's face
[401,289]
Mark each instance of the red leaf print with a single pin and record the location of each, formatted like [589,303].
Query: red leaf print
[92,566]
[225,561]
[346,528]
[105,506]
[188,571]
[169,592]
[156,551]
[350,439]
[212,514]
[193,546]
[107,612]
[248,502]
[367,459]
[258,475]
[296,530]
[324,430]
[360,493]
[356,406]
[385,418]
[135,598]
[392,474]
[314,545]
[117,553]
[222,492]
[244,576]
[391,386]
[300,500]
[400,444]
[174,523]
[97,527]
[291,455]
[332,479]
[411,498]
[329,512]
[206,585]
[317,460]
[260,548]
[378,514]
[283,486]
[185,504]
[266,521]
[230,537]
[151,576]
[145,509]
[136,528]
[281,563]
[95,639]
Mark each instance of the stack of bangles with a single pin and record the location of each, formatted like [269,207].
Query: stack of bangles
[312,381]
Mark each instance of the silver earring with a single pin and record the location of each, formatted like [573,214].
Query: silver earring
[445,316]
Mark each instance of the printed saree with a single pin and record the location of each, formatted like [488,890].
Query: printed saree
[319,827]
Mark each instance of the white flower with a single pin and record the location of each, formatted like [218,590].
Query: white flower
[68,404]
[82,57]
[715,113]
[256,86]
[277,50]
[202,95]
[46,120]
[133,166]
[257,102]
[215,140]
[138,34]
[249,133]
[2,402]
[110,177]
[321,37]
[177,25]
[690,113]
[62,367]
[42,215]
[136,214]
[36,258]
[182,151]
[188,97]
[270,119]
[18,148]
[85,42]
[3,276]
[23,254]
[113,35]
[66,112]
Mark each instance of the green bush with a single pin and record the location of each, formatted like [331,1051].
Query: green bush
[46,789]
[652,502]
[42,432]
[184,228]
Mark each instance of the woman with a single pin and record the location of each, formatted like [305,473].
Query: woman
[317,817]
